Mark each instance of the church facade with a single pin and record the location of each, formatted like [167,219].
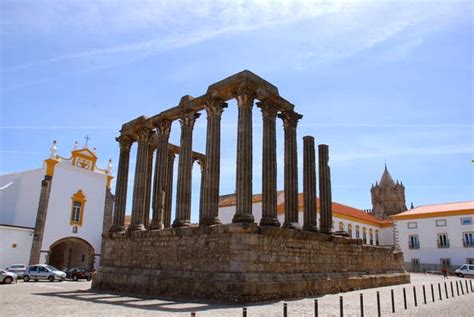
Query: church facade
[56,214]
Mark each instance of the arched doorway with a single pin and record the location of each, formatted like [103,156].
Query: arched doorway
[71,252]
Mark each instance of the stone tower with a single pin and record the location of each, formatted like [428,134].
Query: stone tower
[388,197]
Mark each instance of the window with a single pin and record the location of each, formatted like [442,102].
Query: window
[468,239]
[376,237]
[371,236]
[470,260]
[357,232]
[413,242]
[443,241]
[412,225]
[466,221]
[341,226]
[445,263]
[364,234]
[77,208]
[349,230]
[441,223]
[415,265]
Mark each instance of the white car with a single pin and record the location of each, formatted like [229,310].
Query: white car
[465,269]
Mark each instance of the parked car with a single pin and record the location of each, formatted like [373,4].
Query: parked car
[18,269]
[465,269]
[77,273]
[7,277]
[43,272]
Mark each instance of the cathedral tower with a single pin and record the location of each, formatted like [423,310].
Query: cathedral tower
[388,197]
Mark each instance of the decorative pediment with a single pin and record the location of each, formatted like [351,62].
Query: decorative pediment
[84,158]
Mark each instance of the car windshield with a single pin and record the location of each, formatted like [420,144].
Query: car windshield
[17,267]
[464,267]
[51,268]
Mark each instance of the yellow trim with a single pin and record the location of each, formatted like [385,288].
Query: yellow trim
[77,154]
[109,179]
[50,164]
[434,214]
[81,198]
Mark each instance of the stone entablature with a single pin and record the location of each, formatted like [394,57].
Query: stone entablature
[243,263]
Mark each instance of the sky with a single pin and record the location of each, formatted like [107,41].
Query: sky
[378,81]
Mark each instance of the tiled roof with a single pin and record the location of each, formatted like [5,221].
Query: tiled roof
[438,210]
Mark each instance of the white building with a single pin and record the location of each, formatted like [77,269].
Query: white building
[436,236]
[356,222]
[56,214]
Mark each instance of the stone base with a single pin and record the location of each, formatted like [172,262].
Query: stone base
[243,263]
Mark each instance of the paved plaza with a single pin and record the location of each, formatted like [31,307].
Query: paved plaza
[76,299]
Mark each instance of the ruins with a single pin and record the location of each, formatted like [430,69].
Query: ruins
[242,261]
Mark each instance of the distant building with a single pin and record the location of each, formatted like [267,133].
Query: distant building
[56,214]
[436,236]
[388,197]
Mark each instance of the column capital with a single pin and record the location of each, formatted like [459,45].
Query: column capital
[187,119]
[164,126]
[290,118]
[215,107]
[269,110]
[125,142]
[245,97]
[144,135]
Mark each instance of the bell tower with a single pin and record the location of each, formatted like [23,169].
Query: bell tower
[388,197]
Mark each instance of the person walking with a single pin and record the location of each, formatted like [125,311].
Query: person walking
[445,272]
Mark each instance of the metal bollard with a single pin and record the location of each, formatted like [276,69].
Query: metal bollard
[341,306]
[379,313]
[467,287]
[452,289]
[432,293]
[404,298]
[462,288]
[446,290]
[424,294]
[244,312]
[439,291]
[457,287]
[361,305]
[470,282]
[414,296]
[285,310]
[316,308]
[393,301]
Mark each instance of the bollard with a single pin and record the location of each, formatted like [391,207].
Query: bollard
[452,289]
[285,310]
[462,288]
[404,298]
[244,312]
[361,305]
[467,287]
[446,290]
[393,301]
[457,287]
[379,313]
[341,306]
[414,296]
[470,282]
[316,308]
[439,291]
[432,293]
[424,294]
[193,314]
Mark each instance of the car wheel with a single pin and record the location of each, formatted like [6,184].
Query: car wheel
[26,278]
[461,275]
[8,280]
[51,278]
[74,278]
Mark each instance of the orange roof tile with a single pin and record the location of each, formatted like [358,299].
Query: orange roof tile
[438,210]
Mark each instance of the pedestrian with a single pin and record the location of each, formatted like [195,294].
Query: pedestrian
[445,272]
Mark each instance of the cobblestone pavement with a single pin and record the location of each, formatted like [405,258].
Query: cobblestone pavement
[76,299]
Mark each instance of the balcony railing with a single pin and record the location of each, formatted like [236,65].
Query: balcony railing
[414,245]
[468,244]
[442,244]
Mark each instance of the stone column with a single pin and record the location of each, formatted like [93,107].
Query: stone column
[185,169]
[244,158]
[210,190]
[269,166]
[290,120]
[309,184]
[325,198]
[149,173]
[161,169]
[202,208]
[121,185]
[139,187]
[169,191]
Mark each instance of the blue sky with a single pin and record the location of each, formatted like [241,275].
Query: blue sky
[377,81]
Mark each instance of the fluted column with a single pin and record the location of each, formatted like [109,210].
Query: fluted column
[309,184]
[139,187]
[244,158]
[169,191]
[290,121]
[325,198]
[269,166]
[210,190]
[161,169]
[121,185]
[148,184]
[202,208]
[185,167]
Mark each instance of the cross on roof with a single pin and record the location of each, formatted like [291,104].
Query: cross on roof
[87,139]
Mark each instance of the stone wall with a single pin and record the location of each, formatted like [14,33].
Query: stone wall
[243,263]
